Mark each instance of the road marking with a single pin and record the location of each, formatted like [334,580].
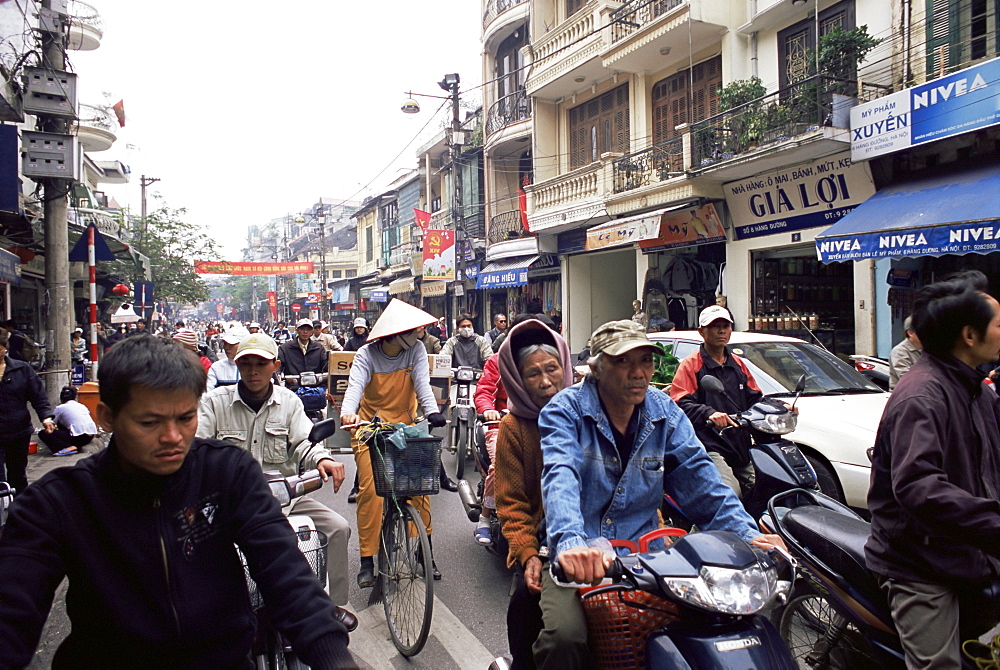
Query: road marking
[372,643]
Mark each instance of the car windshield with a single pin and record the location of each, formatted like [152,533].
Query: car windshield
[777,367]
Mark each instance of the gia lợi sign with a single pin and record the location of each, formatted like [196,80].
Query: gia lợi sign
[959,103]
[804,196]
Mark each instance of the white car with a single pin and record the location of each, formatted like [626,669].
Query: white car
[839,411]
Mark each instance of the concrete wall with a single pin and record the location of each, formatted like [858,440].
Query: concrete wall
[597,288]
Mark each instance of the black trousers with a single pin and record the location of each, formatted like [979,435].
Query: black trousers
[60,438]
[524,623]
[14,461]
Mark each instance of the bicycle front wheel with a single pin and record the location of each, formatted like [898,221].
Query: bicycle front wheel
[406,574]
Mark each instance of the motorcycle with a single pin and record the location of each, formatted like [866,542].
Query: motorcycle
[697,603]
[838,617]
[463,413]
[310,387]
[271,650]
[472,501]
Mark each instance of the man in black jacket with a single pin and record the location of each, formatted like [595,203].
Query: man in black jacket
[935,534]
[302,353]
[145,533]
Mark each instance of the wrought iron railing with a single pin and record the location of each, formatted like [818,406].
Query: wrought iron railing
[634,14]
[85,14]
[507,110]
[794,110]
[96,117]
[506,226]
[648,166]
[495,8]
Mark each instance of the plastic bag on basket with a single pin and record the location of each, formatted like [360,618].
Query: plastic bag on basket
[403,431]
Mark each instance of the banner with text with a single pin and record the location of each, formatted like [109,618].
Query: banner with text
[804,196]
[439,255]
[686,228]
[251,268]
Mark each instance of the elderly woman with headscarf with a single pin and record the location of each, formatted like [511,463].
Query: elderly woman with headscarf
[534,366]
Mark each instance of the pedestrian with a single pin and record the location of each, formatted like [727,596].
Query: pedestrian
[188,339]
[75,427]
[117,335]
[905,354]
[359,337]
[19,386]
[499,327]
[77,346]
[140,328]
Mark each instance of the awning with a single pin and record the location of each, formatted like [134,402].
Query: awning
[952,213]
[505,273]
[404,285]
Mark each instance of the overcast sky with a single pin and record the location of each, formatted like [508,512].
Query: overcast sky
[250,111]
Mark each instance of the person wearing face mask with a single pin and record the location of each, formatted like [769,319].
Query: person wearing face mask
[467,348]
[390,376]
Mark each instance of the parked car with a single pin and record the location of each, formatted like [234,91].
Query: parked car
[839,411]
[875,369]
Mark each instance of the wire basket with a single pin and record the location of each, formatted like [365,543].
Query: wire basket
[414,471]
[618,623]
[312,544]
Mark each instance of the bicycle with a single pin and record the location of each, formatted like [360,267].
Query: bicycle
[405,562]
[461,434]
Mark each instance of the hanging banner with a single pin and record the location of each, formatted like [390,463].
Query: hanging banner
[251,268]
[433,288]
[686,228]
[272,302]
[439,255]
[800,197]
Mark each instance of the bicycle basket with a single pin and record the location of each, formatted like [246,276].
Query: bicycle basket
[618,623]
[312,544]
[414,471]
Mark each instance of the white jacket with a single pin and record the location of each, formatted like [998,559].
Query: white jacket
[277,436]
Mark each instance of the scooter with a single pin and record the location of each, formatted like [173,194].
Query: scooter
[270,648]
[472,501]
[839,617]
[696,604]
[310,387]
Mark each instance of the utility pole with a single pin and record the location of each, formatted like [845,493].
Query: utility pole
[322,267]
[450,83]
[59,308]
[145,181]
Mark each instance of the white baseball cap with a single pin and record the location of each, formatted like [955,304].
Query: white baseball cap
[257,344]
[712,313]
[304,322]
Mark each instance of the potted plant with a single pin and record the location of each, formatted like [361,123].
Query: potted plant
[665,366]
[746,124]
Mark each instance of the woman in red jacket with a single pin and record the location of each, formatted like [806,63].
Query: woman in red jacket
[490,399]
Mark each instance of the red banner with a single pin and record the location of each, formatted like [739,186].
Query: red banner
[251,268]
[423,218]
[272,302]
[439,255]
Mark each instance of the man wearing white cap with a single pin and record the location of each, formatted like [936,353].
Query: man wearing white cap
[303,354]
[390,376]
[225,372]
[709,412]
[270,423]
[321,333]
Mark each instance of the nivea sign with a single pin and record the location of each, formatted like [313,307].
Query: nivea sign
[958,103]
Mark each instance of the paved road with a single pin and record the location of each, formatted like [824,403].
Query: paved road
[470,602]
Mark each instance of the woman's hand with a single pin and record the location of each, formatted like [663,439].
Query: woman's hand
[533,574]
[49,424]
[348,419]
[492,415]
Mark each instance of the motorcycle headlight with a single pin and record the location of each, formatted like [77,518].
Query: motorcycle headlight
[465,375]
[728,591]
[776,424]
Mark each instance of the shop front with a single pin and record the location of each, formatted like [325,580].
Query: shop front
[521,284]
[773,279]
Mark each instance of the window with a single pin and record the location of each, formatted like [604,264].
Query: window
[335,274]
[797,43]
[672,104]
[573,6]
[958,32]
[350,274]
[598,126]
[369,244]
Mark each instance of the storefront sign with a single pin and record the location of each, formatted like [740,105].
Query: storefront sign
[433,288]
[805,196]
[502,279]
[380,295]
[8,268]
[544,265]
[619,233]
[685,228]
[472,270]
[572,241]
[967,238]
[439,255]
[959,103]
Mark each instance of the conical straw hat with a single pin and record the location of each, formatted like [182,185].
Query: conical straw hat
[399,317]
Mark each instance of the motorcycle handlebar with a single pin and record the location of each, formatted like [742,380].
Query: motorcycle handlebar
[615,572]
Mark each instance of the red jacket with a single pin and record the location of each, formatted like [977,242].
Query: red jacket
[490,393]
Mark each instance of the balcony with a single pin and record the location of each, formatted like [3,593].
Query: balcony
[569,54]
[95,128]
[655,164]
[799,123]
[507,111]
[107,223]
[86,27]
[495,8]
[643,32]
[506,226]
[569,198]
[500,19]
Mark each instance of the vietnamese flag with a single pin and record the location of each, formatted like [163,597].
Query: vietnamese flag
[119,109]
[423,218]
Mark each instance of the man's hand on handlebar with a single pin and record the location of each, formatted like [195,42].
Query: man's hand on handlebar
[721,420]
[584,565]
[330,469]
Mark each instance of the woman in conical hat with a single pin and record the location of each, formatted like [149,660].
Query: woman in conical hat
[390,375]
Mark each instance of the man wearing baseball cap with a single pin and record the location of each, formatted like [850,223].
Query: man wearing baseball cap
[270,422]
[611,447]
[709,412]
[359,337]
[224,372]
[303,353]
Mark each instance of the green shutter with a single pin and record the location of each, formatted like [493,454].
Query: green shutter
[943,39]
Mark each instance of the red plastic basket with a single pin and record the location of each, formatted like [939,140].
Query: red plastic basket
[618,623]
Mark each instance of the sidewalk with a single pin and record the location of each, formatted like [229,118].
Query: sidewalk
[43,461]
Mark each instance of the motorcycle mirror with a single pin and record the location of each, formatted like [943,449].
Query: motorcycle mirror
[322,430]
[800,386]
[714,384]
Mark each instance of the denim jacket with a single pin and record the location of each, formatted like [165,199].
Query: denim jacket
[587,493]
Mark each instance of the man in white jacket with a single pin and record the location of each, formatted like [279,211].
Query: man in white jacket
[269,421]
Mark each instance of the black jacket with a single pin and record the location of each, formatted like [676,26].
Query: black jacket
[698,403]
[355,341]
[293,362]
[154,577]
[935,481]
[20,386]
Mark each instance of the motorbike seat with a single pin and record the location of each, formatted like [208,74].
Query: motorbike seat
[838,540]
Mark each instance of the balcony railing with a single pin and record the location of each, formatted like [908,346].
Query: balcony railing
[572,187]
[508,110]
[803,107]
[642,168]
[634,14]
[108,223]
[96,117]
[495,8]
[506,226]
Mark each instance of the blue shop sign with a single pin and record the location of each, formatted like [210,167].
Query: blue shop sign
[8,268]
[503,279]
[472,270]
[380,295]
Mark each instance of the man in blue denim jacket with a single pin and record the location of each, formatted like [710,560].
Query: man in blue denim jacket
[611,446]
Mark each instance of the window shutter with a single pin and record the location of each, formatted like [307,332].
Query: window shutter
[941,38]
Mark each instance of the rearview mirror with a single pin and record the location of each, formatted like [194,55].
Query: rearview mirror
[710,383]
[322,430]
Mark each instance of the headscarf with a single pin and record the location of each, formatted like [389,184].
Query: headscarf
[528,332]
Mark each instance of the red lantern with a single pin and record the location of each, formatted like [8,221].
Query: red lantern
[120,289]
